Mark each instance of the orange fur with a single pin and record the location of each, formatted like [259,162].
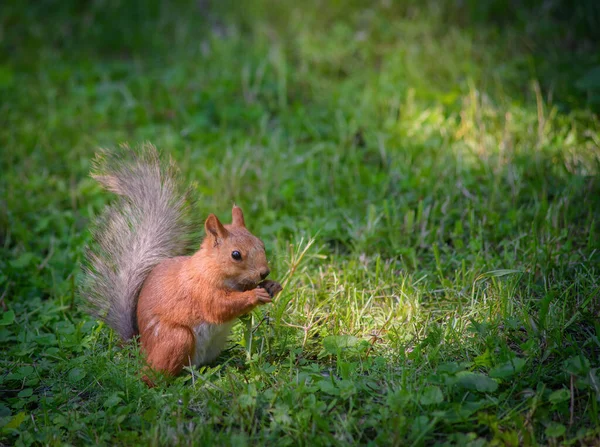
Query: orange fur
[208,287]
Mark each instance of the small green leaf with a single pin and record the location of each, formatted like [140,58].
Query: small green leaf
[420,424]
[150,415]
[112,401]
[431,395]
[7,318]
[76,374]
[281,415]
[497,273]
[329,388]
[4,411]
[16,420]
[25,393]
[347,388]
[476,382]
[450,368]
[246,401]
[577,365]
[45,339]
[22,261]
[559,396]
[554,430]
[508,369]
[25,371]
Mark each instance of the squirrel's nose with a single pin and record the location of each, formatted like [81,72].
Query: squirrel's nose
[264,274]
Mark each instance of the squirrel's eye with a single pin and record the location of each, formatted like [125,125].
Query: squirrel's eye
[236,255]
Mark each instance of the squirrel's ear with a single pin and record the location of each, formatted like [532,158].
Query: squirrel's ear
[237,217]
[214,227]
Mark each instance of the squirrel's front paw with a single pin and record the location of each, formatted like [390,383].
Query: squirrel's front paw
[273,287]
[261,296]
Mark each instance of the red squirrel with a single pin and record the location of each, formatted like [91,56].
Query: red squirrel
[136,280]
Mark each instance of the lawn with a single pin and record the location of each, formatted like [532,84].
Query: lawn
[425,177]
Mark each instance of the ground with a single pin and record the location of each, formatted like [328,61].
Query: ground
[424,177]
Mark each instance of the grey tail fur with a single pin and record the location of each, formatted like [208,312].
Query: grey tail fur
[146,225]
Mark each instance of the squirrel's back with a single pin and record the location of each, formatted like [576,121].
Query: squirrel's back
[142,228]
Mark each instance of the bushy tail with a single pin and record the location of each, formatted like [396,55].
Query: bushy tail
[146,225]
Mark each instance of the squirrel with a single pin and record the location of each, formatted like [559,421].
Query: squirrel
[138,282]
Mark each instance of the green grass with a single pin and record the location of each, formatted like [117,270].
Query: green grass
[424,176]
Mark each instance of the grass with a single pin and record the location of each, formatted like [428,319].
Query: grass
[425,179]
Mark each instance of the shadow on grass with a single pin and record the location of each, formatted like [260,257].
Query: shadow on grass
[558,40]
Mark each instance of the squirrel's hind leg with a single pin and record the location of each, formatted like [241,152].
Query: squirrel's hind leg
[172,351]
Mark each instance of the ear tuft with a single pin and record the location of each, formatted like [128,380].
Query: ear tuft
[214,227]
[237,217]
